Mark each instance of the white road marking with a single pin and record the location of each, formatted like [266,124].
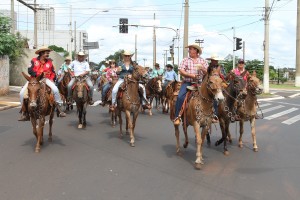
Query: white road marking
[281,113]
[291,120]
[288,103]
[270,99]
[294,95]
[271,109]
[264,105]
[96,103]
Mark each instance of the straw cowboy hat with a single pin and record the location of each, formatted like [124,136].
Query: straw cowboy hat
[41,49]
[196,46]
[80,53]
[127,53]
[68,58]
[214,57]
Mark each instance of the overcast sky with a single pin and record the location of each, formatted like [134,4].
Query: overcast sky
[211,20]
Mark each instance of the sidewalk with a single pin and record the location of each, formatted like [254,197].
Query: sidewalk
[11,100]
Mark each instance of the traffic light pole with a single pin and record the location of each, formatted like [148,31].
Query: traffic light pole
[233,49]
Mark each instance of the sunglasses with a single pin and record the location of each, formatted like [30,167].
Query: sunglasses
[127,56]
[113,63]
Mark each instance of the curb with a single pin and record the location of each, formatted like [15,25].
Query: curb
[8,107]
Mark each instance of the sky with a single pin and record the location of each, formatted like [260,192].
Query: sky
[210,20]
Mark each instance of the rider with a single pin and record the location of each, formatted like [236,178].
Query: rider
[191,68]
[157,71]
[125,68]
[64,68]
[43,64]
[80,67]
[240,69]
[102,71]
[169,76]
[111,72]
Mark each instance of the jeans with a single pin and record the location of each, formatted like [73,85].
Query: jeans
[61,78]
[116,88]
[216,107]
[105,89]
[88,82]
[166,82]
[48,83]
[181,97]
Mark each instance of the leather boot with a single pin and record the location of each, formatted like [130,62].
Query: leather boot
[61,113]
[147,106]
[24,117]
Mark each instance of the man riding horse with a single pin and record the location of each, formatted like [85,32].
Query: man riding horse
[169,76]
[125,68]
[42,65]
[64,69]
[192,68]
[80,67]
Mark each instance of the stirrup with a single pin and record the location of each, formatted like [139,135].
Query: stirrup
[177,121]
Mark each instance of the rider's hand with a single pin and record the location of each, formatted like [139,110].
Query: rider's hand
[198,66]
[129,75]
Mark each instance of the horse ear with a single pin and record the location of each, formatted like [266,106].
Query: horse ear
[254,73]
[40,77]
[26,76]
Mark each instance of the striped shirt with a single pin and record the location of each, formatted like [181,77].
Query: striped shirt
[188,65]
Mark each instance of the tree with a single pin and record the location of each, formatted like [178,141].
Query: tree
[59,50]
[11,45]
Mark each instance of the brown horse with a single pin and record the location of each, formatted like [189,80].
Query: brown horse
[63,90]
[41,103]
[94,77]
[199,112]
[129,101]
[247,108]
[102,82]
[167,95]
[153,89]
[234,92]
[80,95]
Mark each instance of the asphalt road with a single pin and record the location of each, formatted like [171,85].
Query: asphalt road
[95,163]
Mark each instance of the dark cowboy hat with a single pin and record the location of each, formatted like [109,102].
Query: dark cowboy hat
[169,65]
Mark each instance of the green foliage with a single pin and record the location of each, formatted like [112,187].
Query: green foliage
[10,44]
[59,49]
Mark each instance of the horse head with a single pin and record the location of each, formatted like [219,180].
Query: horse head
[253,84]
[80,85]
[139,72]
[238,84]
[34,87]
[214,85]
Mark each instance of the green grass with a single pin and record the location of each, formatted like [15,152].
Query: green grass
[283,86]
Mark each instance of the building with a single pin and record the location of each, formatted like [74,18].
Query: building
[46,19]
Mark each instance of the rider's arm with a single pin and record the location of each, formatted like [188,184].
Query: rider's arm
[30,69]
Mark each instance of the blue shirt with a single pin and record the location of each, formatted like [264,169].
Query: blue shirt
[170,75]
[156,73]
[125,71]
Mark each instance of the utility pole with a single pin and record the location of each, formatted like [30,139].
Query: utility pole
[186,27]
[233,49]
[75,50]
[35,27]
[199,42]
[135,54]
[70,27]
[144,61]
[266,48]
[166,57]
[12,16]
[154,43]
[297,77]
[244,50]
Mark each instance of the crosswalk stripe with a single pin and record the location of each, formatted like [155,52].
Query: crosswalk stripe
[271,109]
[281,113]
[292,120]
[264,105]
[96,103]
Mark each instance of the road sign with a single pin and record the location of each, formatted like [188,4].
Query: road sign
[90,45]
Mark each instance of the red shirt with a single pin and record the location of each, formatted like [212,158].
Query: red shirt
[38,67]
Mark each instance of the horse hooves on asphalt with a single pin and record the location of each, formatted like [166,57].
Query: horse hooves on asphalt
[198,166]
[255,149]
[80,126]
[132,145]
[226,153]
[241,145]
[185,145]
[37,150]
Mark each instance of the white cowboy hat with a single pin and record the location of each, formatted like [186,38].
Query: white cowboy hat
[196,46]
[68,58]
[106,62]
[43,48]
[127,53]
[80,53]
[214,57]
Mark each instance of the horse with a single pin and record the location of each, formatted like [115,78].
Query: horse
[167,95]
[41,103]
[102,82]
[199,112]
[94,77]
[153,89]
[63,90]
[128,100]
[235,91]
[81,97]
[247,108]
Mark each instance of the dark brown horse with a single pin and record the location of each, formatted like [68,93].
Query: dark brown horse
[80,95]
[130,102]
[153,89]
[63,90]
[247,108]
[199,112]
[234,92]
[167,95]
[41,103]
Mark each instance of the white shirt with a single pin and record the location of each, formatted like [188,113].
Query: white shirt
[79,67]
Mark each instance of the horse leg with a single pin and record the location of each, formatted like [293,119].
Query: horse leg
[84,115]
[34,129]
[127,113]
[39,135]
[225,135]
[134,118]
[41,126]
[79,116]
[113,118]
[203,134]
[178,151]
[50,125]
[241,133]
[198,161]
[120,121]
[150,110]
[253,133]
[186,142]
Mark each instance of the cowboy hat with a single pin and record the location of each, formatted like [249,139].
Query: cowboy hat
[68,58]
[127,53]
[196,46]
[169,65]
[80,53]
[214,57]
[106,62]
[41,49]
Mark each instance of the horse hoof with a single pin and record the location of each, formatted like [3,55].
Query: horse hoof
[198,166]
[150,114]
[80,126]
[49,139]
[37,150]
[241,145]
[255,149]
[217,143]
[132,145]
[230,141]
[179,153]
[226,153]
[185,145]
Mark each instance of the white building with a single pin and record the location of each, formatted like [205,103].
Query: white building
[46,19]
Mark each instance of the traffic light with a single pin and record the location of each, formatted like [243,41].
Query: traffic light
[172,49]
[238,43]
[123,25]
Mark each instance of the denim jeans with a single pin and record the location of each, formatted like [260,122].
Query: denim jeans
[88,82]
[105,89]
[181,97]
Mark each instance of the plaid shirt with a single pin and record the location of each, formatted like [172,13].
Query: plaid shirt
[188,65]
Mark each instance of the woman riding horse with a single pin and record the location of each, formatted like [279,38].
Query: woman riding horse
[111,72]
